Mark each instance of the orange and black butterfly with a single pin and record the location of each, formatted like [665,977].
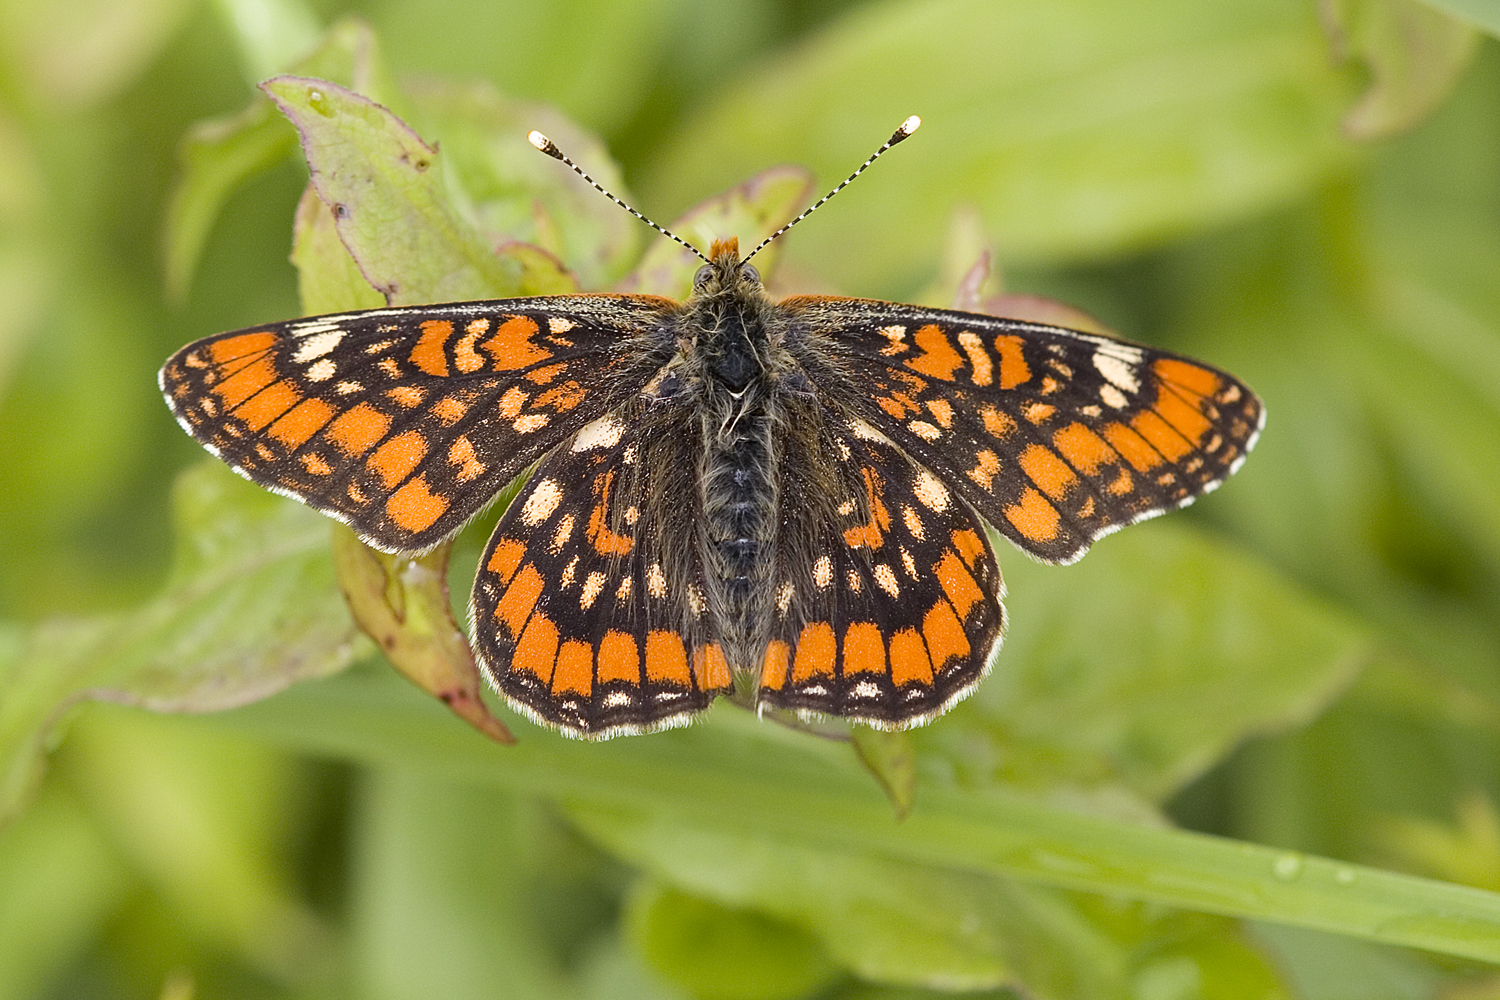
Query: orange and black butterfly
[789,497]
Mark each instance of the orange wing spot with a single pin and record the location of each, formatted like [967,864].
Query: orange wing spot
[234,348]
[1013,367]
[395,459]
[773,668]
[1000,425]
[1048,471]
[619,659]
[315,464]
[942,412]
[1136,450]
[816,652]
[898,405]
[604,540]
[1121,484]
[511,346]
[541,376]
[871,534]
[1162,435]
[1038,412]
[562,397]
[414,507]
[1035,518]
[666,658]
[406,396]
[536,652]
[1086,450]
[520,597]
[968,546]
[511,403]
[246,382]
[462,454]
[428,354]
[505,558]
[983,474]
[268,404]
[450,410]
[958,583]
[710,669]
[301,422]
[938,358]
[909,660]
[864,649]
[464,357]
[357,429]
[945,635]
[1194,378]
[575,668]
[1187,418]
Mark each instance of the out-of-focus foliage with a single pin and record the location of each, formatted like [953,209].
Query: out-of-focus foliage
[1306,192]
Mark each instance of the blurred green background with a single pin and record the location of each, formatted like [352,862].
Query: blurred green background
[1307,194]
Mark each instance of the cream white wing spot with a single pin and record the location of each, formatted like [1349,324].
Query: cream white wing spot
[316,345]
[545,497]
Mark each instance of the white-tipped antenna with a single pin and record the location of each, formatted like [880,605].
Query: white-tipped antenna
[549,147]
[907,128]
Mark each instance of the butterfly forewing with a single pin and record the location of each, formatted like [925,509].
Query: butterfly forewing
[405,422]
[1056,437]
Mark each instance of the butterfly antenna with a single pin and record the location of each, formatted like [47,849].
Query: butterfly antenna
[549,147]
[907,128]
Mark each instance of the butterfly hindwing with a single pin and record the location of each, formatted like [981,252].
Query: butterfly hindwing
[895,612]
[587,609]
[405,422]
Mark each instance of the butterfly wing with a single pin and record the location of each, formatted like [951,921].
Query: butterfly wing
[588,608]
[405,422]
[887,603]
[1056,437]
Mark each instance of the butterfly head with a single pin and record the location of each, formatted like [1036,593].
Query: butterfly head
[725,273]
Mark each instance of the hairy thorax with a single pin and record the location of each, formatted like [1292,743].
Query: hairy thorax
[732,363]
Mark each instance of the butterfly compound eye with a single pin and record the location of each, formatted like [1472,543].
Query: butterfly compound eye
[749,273]
[701,278]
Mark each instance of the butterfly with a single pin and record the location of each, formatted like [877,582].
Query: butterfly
[790,501]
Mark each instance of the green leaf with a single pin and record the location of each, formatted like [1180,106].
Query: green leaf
[734,776]
[199,822]
[328,279]
[249,608]
[1078,129]
[724,954]
[1483,14]
[388,196]
[1415,54]
[215,158]
[402,602]
[218,156]
[62,879]
[1157,651]
[514,193]
[910,924]
[486,873]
